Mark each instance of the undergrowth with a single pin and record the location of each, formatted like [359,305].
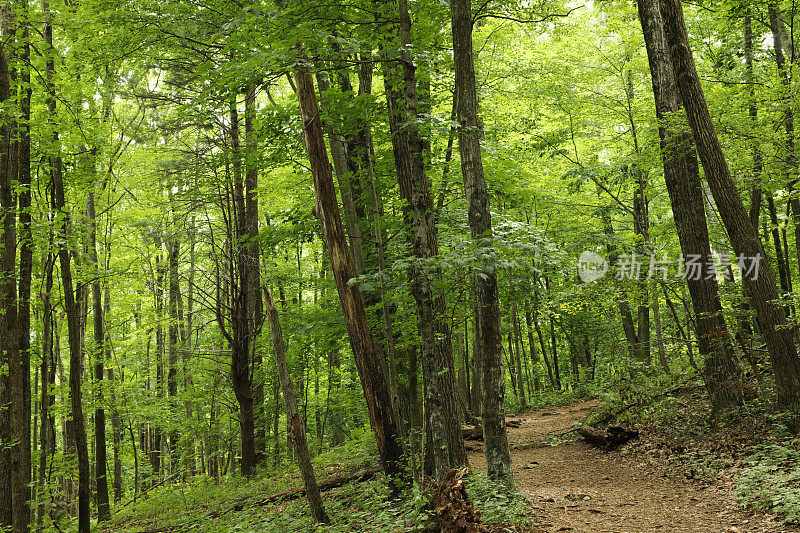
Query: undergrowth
[770,479]
[233,505]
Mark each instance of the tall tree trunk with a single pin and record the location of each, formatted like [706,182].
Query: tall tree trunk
[477,359]
[116,422]
[444,448]
[681,173]
[511,365]
[542,343]
[752,109]
[9,335]
[255,306]
[382,420]
[99,355]
[662,355]
[520,358]
[47,434]
[761,285]
[156,444]
[780,256]
[344,177]
[790,158]
[173,253]
[240,335]
[295,424]
[25,275]
[72,310]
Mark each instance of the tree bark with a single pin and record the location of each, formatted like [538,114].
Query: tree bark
[9,336]
[25,274]
[253,251]
[743,236]
[519,356]
[790,158]
[682,177]
[73,327]
[382,420]
[498,456]
[240,335]
[295,423]
[444,448]
[98,354]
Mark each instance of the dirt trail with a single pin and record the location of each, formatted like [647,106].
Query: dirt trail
[574,487]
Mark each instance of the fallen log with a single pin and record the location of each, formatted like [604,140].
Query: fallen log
[610,439]
[299,492]
[476,432]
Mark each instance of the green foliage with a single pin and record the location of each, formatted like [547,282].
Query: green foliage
[770,479]
[496,504]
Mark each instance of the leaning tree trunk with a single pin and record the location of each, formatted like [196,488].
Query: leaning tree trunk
[294,421]
[760,284]
[379,405]
[682,177]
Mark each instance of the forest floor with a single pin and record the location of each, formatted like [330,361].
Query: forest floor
[572,486]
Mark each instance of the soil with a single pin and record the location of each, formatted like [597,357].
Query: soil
[572,486]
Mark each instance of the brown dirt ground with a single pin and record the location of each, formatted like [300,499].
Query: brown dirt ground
[574,487]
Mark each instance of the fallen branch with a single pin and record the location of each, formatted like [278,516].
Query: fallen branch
[148,489]
[476,432]
[610,439]
[299,492]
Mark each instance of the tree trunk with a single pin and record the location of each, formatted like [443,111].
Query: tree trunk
[173,252]
[790,158]
[498,456]
[294,424]
[9,336]
[73,326]
[722,372]
[344,178]
[99,355]
[253,251]
[776,240]
[760,285]
[444,448]
[116,422]
[240,334]
[47,434]
[382,420]
[25,274]
[520,359]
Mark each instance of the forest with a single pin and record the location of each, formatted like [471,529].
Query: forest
[395,265]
